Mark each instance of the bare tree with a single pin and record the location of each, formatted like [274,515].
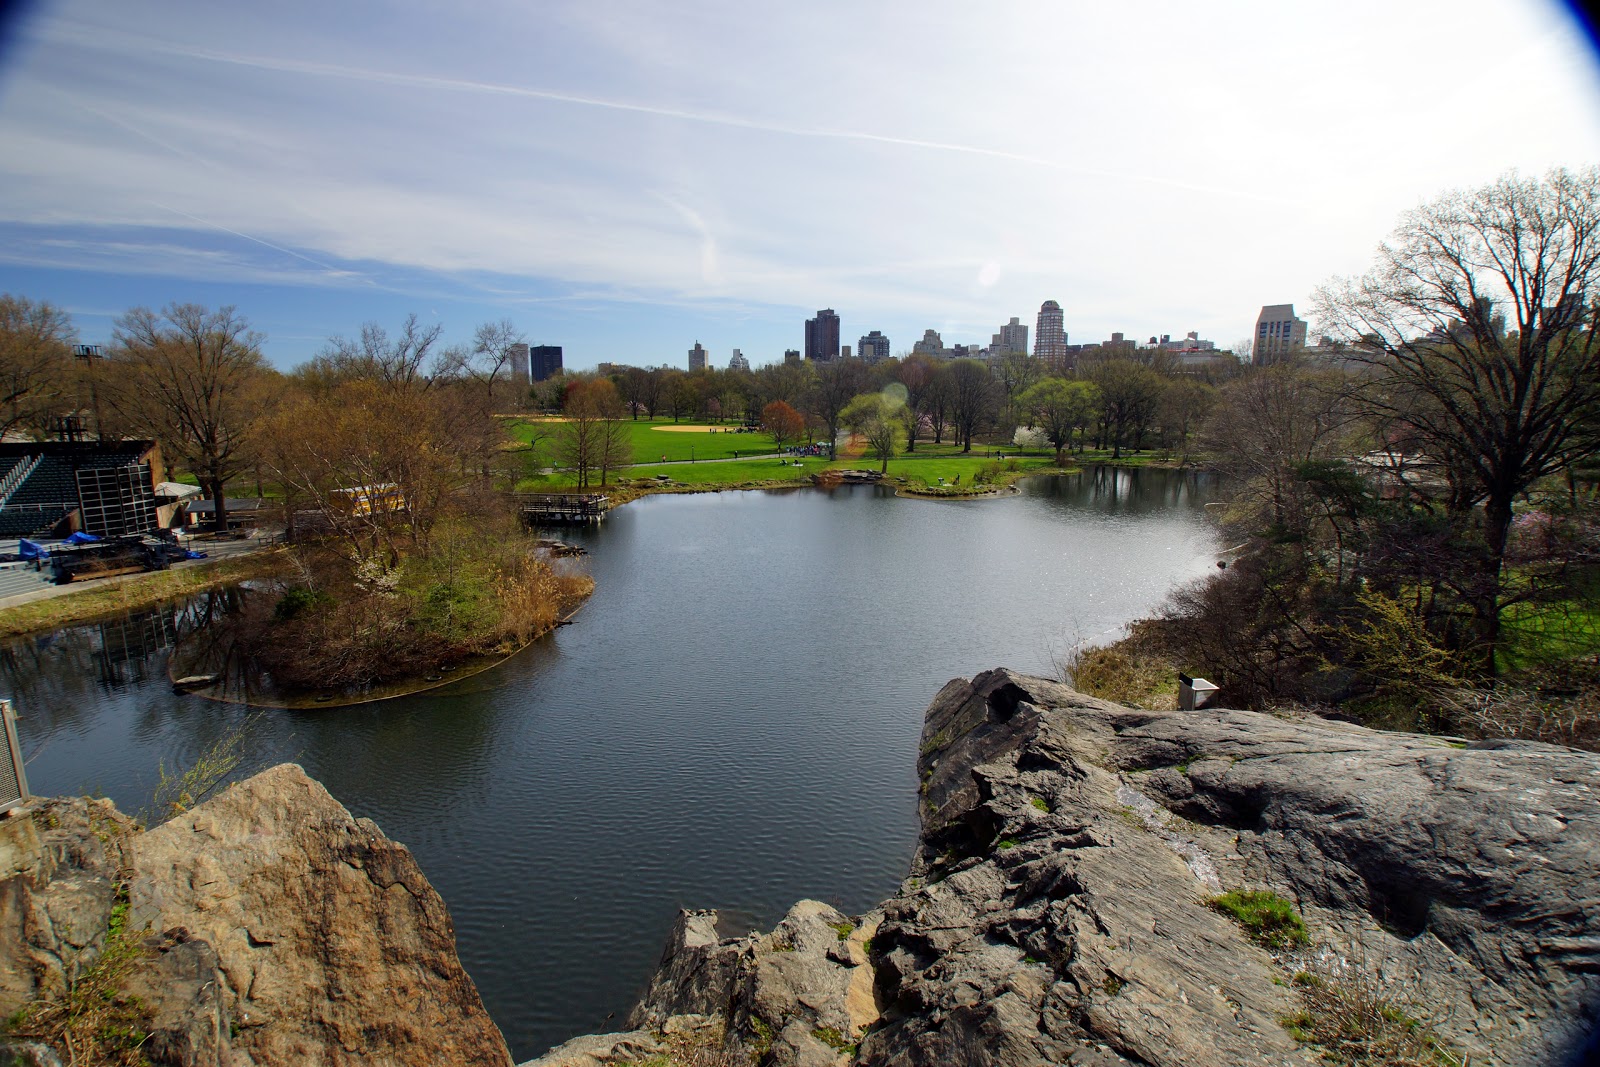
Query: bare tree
[35,362]
[1014,373]
[972,397]
[837,382]
[916,374]
[936,402]
[493,346]
[188,377]
[1480,331]
[401,363]
[591,438]
[615,443]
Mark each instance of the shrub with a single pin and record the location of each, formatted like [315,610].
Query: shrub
[297,601]
[1349,1016]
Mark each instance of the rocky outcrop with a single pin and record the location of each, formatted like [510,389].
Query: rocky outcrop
[1058,908]
[267,926]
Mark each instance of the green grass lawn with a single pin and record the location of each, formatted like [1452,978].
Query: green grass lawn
[917,469]
[1537,635]
[653,439]
[921,470]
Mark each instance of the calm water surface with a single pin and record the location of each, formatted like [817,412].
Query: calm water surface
[731,722]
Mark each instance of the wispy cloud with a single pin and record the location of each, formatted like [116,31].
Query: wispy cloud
[911,164]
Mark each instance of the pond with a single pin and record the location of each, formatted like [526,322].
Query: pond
[730,722]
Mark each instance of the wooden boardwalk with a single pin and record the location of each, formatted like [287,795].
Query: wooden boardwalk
[556,509]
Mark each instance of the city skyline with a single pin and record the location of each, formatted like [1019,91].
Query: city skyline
[624,178]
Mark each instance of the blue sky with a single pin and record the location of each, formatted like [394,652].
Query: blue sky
[625,178]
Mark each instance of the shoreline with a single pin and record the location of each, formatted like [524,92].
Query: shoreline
[473,666]
[134,592]
[627,494]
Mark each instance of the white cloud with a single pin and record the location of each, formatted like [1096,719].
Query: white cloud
[1165,167]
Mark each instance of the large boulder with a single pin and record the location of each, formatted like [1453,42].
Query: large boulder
[1062,903]
[265,927]
[332,947]
[1057,909]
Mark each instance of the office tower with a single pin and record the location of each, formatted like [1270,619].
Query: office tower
[544,362]
[738,362]
[697,357]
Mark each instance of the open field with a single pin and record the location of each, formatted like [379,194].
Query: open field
[677,442]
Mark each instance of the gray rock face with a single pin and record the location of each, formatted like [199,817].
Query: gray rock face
[1057,904]
[1058,911]
[800,996]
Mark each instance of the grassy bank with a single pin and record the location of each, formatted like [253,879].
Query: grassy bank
[933,470]
[104,599]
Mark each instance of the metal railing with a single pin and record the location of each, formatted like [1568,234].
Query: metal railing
[13,779]
[16,476]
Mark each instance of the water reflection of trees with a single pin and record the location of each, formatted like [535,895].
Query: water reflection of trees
[98,708]
[1126,490]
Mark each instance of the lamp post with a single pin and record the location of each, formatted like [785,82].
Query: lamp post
[90,353]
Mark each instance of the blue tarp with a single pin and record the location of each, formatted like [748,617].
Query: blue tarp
[81,538]
[192,554]
[30,550]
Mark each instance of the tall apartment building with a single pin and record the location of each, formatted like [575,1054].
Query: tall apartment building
[874,347]
[697,358]
[1050,340]
[1013,337]
[822,336]
[791,356]
[544,362]
[738,362]
[1277,332]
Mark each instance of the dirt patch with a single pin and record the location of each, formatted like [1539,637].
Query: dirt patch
[687,429]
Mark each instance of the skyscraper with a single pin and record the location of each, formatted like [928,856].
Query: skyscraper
[822,336]
[1050,340]
[1277,332]
[738,362]
[544,361]
[697,357]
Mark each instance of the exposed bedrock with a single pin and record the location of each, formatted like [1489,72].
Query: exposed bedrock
[266,927]
[1057,908]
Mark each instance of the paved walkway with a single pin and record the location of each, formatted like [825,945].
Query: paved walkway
[214,550]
